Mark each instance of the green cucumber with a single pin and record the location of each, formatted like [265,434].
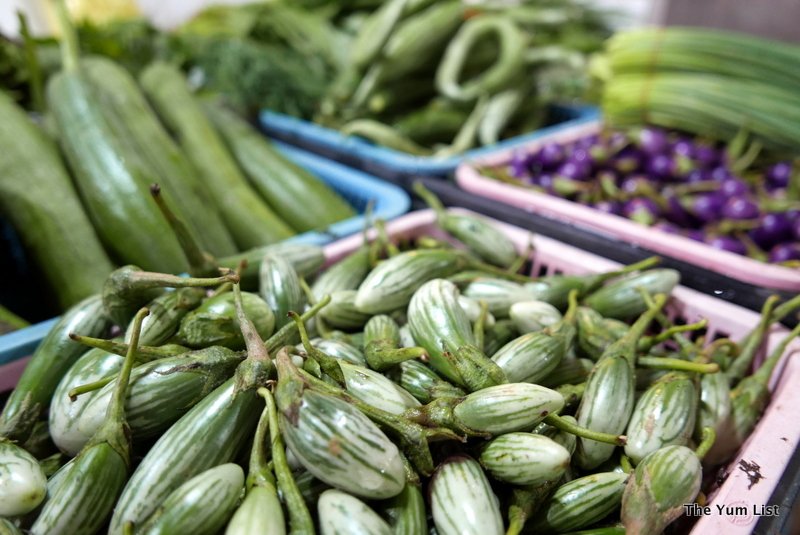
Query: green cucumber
[288,188]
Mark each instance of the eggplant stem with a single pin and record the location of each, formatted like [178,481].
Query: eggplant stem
[574,429]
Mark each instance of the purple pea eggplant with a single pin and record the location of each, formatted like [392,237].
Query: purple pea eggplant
[734,187]
[706,207]
[727,243]
[642,210]
[652,141]
[706,156]
[609,207]
[779,174]
[774,228]
[785,252]
[739,208]
[551,154]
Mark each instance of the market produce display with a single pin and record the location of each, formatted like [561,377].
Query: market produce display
[217,175]
[410,384]
[440,78]
[673,183]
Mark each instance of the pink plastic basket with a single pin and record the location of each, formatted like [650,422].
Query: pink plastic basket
[775,438]
[777,435]
[729,264]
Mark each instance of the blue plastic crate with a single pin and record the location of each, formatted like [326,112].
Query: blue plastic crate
[389,201]
[395,165]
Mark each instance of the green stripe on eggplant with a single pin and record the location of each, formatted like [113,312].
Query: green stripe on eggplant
[407,511]
[524,459]
[52,359]
[439,324]
[341,446]
[214,322]
[422,382]
[166,312]
[462,501]
[606,406]
[582,502]
[531,357]
[211,433]
[306,260]
[342,514]
[342,313]
[339,350]
[346,274]
[664,415]
[65,414]
[531,316]
[392,283]
[260,511]
[200,506]
[506,408]
[498,294]
[23,485]
[373,388]
[622,299]
[279,286]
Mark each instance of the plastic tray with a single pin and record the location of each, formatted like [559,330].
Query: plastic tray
[392,164]
[389,201]
[730,264]
[776,436]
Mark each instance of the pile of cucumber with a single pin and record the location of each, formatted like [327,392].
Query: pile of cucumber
[414,384]
[80,216]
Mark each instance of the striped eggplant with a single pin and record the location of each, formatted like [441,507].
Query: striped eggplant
[596,333]
[7,527]
[481,237]
[346,274]
[407,511]
[498,294]
[382,344]
[531,316]
[342,514]
[338,444]
[498,335]
[569,371]
[161,391]
[748,400]
[622,299]
[52,359]
[606,406]
[65,414]
[279,286]
[462,501]
[472,309]
[439,325]
[393,282]
[662,483]
[23,484]
[128,288]
[81,502]
[211,433]
[506,408]
[342,313]
[200,506]
[214,322]
[166,312]
[581,503]
[664,415]
[531,357]
[259,512]
[339,350]
[422,382]
[567,440]
[608,400]
[406,338]
[306,260]
[371,387]
[714,406]
[524,459]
